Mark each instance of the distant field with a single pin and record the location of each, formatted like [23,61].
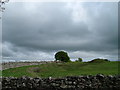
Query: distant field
[63,69]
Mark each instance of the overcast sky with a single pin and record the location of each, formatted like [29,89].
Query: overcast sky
[37,30]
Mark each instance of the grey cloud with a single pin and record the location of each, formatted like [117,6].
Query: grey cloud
[50,27]
[48,33]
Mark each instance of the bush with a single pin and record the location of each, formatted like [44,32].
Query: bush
[98,60]
[79,60]
[62,56]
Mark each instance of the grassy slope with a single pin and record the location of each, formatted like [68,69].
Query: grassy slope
[65,69]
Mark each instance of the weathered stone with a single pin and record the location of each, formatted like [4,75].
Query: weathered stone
[68,83]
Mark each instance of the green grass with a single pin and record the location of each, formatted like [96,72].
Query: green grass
[64,69]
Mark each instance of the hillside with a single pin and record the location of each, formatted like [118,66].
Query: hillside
[63,69]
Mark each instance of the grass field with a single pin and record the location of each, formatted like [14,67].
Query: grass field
[64,69]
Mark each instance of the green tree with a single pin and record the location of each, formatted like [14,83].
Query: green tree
[62,56]
[80,59]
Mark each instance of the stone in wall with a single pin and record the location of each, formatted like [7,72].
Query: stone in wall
[89,82]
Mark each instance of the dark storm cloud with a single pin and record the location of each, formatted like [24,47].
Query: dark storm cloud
[60,26]
[58,31]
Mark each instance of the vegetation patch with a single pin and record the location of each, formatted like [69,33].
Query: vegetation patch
[98,60]
[64,69]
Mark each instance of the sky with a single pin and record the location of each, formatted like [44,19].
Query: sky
[37,30]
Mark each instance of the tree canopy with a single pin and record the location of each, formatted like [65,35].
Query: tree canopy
[62,56]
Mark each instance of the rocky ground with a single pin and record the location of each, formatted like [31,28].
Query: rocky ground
[8,65]
[89,82]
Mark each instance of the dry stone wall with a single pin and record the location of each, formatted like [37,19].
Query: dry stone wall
[97,82]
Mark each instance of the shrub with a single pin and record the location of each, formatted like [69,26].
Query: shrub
[79,60]
[98,60]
